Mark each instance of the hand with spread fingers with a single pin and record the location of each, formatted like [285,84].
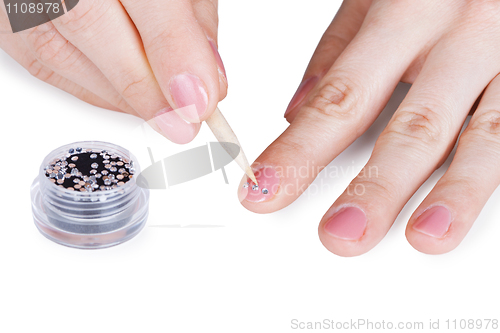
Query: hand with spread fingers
[450,51]
[144,58]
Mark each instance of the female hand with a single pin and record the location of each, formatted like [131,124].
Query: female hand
[143,58]
[450,51]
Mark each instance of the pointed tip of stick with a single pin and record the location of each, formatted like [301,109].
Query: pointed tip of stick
[251,175]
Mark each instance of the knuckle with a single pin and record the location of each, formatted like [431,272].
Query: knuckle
[486,124]
[333,100]
[373,185]
[36,69]
[421,123]
[49,46]
[135,86]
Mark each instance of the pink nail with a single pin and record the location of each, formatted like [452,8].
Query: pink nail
[434,222]
[220,64]
[174,127]
[188,90]
[304,89]
[269,182]
[348,223]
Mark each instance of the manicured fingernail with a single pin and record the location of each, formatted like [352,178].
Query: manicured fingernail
[434,222]
[348,223]
[269,182]
[220,64]
[174,127]
[188,90]
[304,89]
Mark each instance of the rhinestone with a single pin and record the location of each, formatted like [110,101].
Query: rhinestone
[49,171]
[82,189]
[265,191]
[107,166]
[98,175]
[86,178]
[78,150]
[121,184]
[112,169]
[78,186]
[57,168]
[111,176]
[67,175]
[88,187]
[107,182]
[105,161]
[74,158]
[71,151]
[60,181]
[104,172]
[120,177]
[95,185]
[93,156]
[53,180]
[245,185]
[114,156]
[119,163]
[53,175]
[74,171]
[130,177]
[113,163]
[94,165]
[255,187]
[93,171]
[72,165]
[92,179]
[81,183]
[132,170]
[59,175]
[70,189]
[64,163]
[105,157]
[122,170]
[76,180]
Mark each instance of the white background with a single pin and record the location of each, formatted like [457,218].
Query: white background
[254,273]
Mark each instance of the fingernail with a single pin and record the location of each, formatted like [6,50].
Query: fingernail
[348,223]
[434,222]
[188,90]
[268,185]
[174,128]
[220,64]
[304,88]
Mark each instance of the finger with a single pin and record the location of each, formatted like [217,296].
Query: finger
[14,46]
[342,106]
[416,141]
[206,12]
[445,216]
[339,34]
[180,54]
[55,52]
[103,31]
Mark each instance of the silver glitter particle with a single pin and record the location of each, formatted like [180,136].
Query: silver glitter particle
[255,187]
[245,185]
[265,191]
[94,165]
